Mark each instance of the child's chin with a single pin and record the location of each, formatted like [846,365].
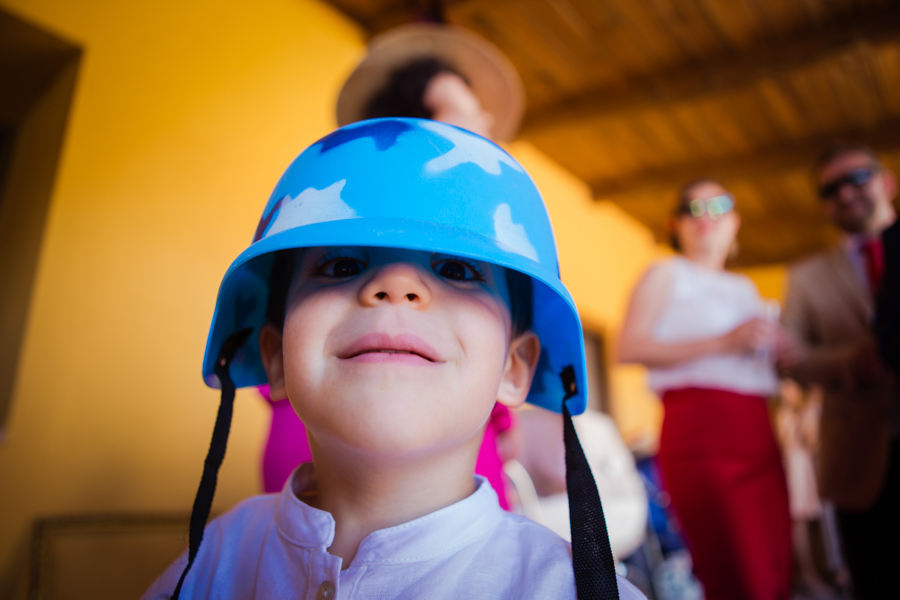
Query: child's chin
[400,439]
[397,419]
[396,446]
[390,399]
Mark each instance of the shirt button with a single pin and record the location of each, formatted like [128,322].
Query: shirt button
[325,591]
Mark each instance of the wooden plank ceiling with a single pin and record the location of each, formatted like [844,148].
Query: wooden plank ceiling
[638,96]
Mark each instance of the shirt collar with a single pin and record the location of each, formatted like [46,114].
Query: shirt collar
[297,521]
[436,534]
[852,243]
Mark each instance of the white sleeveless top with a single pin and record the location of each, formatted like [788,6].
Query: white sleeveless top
[705,303]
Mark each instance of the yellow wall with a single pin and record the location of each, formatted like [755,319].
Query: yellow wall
[603,252]
[185,115]
[770,279]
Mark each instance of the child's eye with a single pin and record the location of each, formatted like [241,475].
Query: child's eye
[458,269]
[345,267]
[341,264]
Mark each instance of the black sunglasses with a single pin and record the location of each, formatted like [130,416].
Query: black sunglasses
[856,177]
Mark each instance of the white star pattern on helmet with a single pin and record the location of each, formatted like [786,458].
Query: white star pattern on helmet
[466,150]
[512,234]
[312,206]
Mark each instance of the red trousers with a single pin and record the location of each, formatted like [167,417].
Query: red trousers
[722,468]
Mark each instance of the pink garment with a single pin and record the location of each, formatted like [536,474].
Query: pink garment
[288,447]
[489,463]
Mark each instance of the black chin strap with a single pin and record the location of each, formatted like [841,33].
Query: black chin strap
[206,491]
[592,559]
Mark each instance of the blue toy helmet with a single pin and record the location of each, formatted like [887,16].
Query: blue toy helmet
[418,185]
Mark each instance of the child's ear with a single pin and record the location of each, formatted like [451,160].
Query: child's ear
[270,350]
[521,362]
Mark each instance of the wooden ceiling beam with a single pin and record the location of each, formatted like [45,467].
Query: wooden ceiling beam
[691,82]
[393,13]
[884,138]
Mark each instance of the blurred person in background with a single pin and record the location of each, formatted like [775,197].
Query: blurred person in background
[612,464]
[829,311]
[797,424]
[429,71]
[709,342]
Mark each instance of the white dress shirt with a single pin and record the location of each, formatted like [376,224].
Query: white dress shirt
[852,246]
[275,546]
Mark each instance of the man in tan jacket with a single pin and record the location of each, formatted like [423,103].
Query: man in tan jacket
[829,311]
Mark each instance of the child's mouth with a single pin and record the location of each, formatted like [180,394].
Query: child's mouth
[390,356]
[382,347]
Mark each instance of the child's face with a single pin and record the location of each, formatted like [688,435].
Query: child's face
[399,352]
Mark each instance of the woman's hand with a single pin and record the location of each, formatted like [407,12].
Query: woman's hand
[754,335]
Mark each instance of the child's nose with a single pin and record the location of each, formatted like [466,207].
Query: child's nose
[396,283]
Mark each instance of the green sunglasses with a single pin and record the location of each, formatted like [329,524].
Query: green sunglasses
[715,207]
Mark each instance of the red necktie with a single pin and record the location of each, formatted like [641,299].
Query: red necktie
[873,252]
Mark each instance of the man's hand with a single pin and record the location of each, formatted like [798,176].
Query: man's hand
[789,353]
[867,366]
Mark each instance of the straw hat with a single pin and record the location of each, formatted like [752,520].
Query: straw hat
[491,76]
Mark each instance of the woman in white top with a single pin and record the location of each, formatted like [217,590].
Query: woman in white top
[705,335]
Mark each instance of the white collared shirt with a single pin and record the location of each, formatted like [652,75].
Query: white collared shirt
[852,245]
[275,546]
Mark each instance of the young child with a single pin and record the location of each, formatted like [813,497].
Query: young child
[431,71]
[402,280]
